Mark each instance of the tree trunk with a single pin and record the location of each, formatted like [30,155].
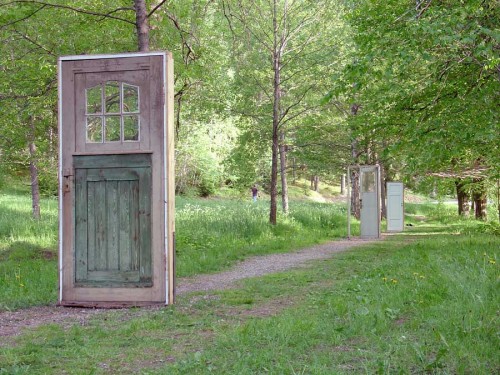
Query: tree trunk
[316,183]
[479,197]
[284,184]
[276,57]
[383,193]
[274,175]
[141,24]
[355,204]
[462,198]
[342,185]
[294,173]
[35,188]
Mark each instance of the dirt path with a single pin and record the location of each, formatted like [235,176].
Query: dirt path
[13,323]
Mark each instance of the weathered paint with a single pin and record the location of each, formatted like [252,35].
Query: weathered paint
[111,193]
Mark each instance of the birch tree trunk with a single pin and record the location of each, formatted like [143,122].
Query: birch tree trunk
[355,204]
[35,187]
[277,50]
[276,114]
[284,183]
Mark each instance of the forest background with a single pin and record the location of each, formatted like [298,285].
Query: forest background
[268,89]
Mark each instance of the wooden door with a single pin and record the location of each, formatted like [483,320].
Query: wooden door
[116,177]
[395,207]
[113,220]
[369,200]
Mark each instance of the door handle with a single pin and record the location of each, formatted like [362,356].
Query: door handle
[67,180]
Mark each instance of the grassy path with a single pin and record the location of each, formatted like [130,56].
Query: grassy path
[425,301]
[13,323]
[422,302]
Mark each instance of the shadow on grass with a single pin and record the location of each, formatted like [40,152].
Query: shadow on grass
[21,250]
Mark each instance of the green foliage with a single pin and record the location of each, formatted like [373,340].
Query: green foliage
[424,78]
[201,149]
[249,162]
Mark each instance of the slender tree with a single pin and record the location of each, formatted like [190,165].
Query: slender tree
[281,49]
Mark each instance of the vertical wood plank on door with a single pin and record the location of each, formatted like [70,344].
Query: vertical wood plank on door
[100,217]
[112,224]
[124,226]
[145,221]
[134,225]
[81,224]
[91,226]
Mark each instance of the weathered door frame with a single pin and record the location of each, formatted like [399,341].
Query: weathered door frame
[392,205]
[167,190]
[358,167]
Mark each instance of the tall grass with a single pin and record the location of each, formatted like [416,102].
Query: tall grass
[213,234]
[28,270]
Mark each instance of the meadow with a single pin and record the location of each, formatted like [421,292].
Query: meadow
[421,302]
[211,235]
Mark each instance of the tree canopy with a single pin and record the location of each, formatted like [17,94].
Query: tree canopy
[413,86]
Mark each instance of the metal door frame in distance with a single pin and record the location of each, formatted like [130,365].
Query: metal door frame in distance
[359,167]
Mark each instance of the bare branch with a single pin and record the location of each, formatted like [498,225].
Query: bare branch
[300,113]
[190,54]
[27,38]
[328,144]
[77,10]
[22,19]
[290,107]
[156,8]
[251,30]
[49,86]
[424,8]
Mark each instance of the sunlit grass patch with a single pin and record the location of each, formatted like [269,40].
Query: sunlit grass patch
[28,270]
[213,234]
[425,306]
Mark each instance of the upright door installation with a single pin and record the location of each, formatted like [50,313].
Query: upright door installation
[395,207]
[369,201]
[116,193]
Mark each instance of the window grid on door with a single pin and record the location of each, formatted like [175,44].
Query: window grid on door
[112,113]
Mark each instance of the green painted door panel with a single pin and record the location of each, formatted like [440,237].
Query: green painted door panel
[113,220]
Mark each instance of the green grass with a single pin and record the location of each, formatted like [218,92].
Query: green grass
[211,234]
[424,301]
[214,234]
[28,270]
[429,305]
